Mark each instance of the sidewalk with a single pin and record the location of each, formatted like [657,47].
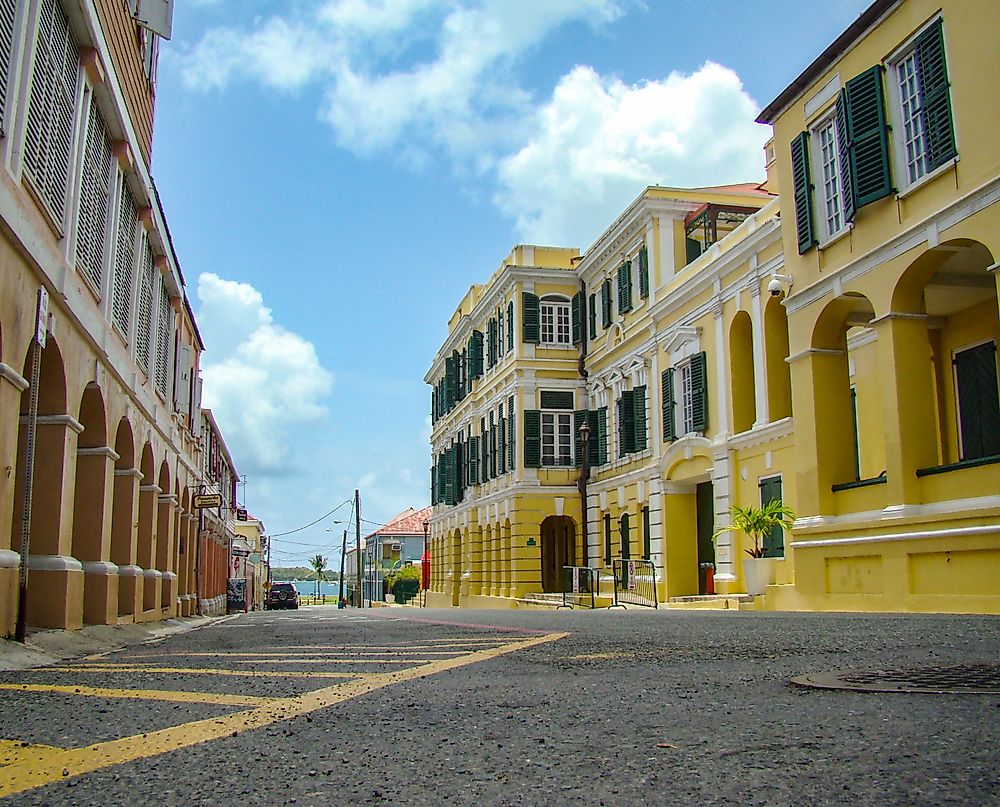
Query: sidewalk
[45,647]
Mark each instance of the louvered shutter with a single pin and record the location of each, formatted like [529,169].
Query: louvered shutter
[579,418]
[774,544]
[576,317]
[935,96]
[51,106]
[473,460]
[510,433]
[95,200]
[868,141]
[643,272]
[434,492]
[802,186]
[647,538]
[510,325]
[476,354]
[849,201]
[593,445]
[459,450]
[450,476]
[144,318]
[164,338]
[501,444]
[491,331]
[699,392]
[978,401]
[532,438]
[669,405]
[182,386]
[625,287]
[530,318]
[121,309]
[493,448]
[626,423]
[606,304]
[639,419]
[450,373]
[592,312]
[484,445]
[602,435]
[7,9]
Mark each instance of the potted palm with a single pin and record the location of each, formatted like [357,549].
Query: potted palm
[756,523]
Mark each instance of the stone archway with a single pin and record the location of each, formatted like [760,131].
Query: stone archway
[124,515]
[146,540]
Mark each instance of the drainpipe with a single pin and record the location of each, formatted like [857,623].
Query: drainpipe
[584,435]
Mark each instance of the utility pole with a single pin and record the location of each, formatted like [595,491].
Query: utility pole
[357,533]
[343,552]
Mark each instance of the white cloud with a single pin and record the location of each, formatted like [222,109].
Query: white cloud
[261,380]
[598,142]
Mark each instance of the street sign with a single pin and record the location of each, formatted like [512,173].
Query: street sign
[241,514]
[203,501]
[42,316]
[240,553]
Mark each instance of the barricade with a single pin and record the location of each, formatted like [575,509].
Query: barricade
[578,587]
[635,583]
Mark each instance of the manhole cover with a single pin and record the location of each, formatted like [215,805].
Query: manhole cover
[959,678]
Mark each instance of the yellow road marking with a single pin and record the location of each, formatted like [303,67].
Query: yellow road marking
[336,655]
[127,668]
[77,761]
[14,752]
[143,694]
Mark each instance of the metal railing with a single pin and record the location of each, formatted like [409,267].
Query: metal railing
[578,587]
[635,583]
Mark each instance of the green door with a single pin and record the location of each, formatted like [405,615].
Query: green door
[774,543]
[705,509]
[978,401]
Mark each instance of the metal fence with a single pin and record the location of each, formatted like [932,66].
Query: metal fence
[635,583]
[578,587]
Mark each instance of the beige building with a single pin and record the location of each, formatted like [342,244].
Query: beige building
[101,445]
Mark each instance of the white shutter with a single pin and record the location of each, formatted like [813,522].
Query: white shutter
[49,134]
[121,311]
[163,338]
[95,198]
[6,50]
[156,15]
[196,410]
[144,318]
[182,385]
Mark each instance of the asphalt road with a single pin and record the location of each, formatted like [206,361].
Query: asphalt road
[433,707]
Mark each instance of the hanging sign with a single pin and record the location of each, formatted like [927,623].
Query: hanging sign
[203,501]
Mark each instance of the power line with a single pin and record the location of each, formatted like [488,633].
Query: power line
[311,523]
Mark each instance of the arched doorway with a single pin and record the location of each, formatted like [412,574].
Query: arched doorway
[558,534]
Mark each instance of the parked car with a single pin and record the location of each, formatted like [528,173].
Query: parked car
[282,595]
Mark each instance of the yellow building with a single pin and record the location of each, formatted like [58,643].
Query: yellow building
[889,176]
[100,432]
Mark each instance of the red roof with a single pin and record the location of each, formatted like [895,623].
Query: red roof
[748,188]
[409,522]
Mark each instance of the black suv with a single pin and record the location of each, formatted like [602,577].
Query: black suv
[282,595]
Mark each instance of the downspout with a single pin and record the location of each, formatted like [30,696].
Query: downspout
[585,445]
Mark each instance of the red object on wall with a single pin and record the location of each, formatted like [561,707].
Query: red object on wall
[425,570]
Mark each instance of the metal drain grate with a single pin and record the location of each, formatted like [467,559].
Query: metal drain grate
[978,679]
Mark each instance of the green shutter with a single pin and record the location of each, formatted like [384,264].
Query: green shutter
[579,417]
[532,438]
[699,392]
[802,185]
[450,383]
[625,533]
[935,96]
[476,354]
[459,471]
[626,423]
[607,539]
[978,401]
[774,543]
[669,405]
[592,311]
[576,317]
[647,539]
[602,435]
[625,287]
[606,304]
[510,434]
[639,403]
[510,325]
[849,202]
[484,444]
[692,247]
[434,493]
[493,451]
[530,317]
[473,460]
[434,403]
[643,272]
[593,446]
[501,446]
[868,140]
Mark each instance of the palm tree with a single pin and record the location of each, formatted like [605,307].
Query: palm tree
[757,522]
[319,565]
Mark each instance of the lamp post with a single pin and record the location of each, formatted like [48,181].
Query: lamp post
[582,486]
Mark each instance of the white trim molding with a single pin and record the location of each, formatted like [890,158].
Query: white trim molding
[9,374]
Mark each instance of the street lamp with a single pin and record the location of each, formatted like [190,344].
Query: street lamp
[582,485]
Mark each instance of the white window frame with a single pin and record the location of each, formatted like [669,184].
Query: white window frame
[685,395]
[501,346]
[555,321]
[557,444]
[828,177]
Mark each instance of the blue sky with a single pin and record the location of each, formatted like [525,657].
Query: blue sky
[336,173]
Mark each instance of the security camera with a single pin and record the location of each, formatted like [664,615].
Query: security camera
[779,285]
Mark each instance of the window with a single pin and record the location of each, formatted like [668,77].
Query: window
[827,158]
[548,432]
[557,438]
[501,344]
[606,304]
[121,308]
[625,287]
[163,338]
[592,311]
[51,106]
[921,96]
[7,13]
[632,421]
[555,321]
[144,320]
[687,385]
[95,198]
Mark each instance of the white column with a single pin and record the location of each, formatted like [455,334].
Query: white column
[721,409]
[759,379]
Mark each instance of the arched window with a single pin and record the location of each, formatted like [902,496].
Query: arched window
[556,321]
